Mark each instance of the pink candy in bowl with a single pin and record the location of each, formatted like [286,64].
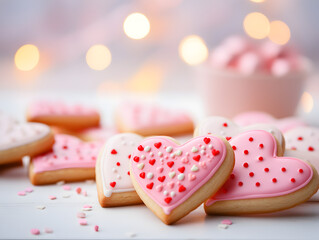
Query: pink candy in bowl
[241,76]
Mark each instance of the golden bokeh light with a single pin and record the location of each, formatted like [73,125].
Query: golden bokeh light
[193,50]
[257,1]
[136,26]
[279,32]
[27,57]
[307,102]
[256,25]
[98,57]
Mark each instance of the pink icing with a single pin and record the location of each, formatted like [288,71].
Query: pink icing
[283,124]
[68,152]
[114,165]
[99,133]
[139,116]
[224,127]
[170,173]
[43,108]
[259,173]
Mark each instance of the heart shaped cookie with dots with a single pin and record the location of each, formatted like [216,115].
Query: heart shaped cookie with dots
[226,128]
[70,160]
[22,139]
[113,179]
[262,182]
[172,180]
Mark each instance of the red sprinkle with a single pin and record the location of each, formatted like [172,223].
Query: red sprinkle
[142,174]
[96,228]
[246,152]
[181,169]
[128,173]
[215,152]
[283,169]
[140,148]
[112,184]
[240,184]
[170,164]
[266,169]
[113,151]
[78,190]
[232,176]
[251,174]
[234,147]
[300,138]
[261,145]
[168,200]
[158,145]
[251,139]
[228,138]
[245,165]
[118,164]
[293,180]
[161,179]
[150,185]
[260,158]
[136,159]
[301,170]
[196,158]
[129,156]
[181,188]
[152,161]
[207,140]
[311,149]
[257,184]
[65,147]
[274,180]
[225,125]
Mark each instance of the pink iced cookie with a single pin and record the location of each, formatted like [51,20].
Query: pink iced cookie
[283,124]
[97,133]
[22,139]
[173,180]
[59,114]
[226,128]
[146,119]
[70,160]
[262,182]
[113,179]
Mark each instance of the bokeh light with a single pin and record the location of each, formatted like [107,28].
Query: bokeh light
[136,26]
[98,57]
[193,50]
[27,57]
[279,32]
[257,1]
[256,25]
[307,102]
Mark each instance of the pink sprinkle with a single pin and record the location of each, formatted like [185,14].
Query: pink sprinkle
[35,231]
[48,230]
[96,228]
[83,222]
[81,215]
[29,190]
[52,197]
[22,193]
[87,206]
[78,190]
[84,193]
[227,222]
[66,187]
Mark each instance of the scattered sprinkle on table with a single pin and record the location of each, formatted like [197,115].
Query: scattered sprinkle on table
[22,193]
[66,195]
[83,222]
[131,234]
[96,228]
[78,190]
[227,222]
[81,215]
[223,226]
[40,207]
[52,197]
[84,193]
[29,190]
[35,231]
[48,230]
[60,183]
[66,187]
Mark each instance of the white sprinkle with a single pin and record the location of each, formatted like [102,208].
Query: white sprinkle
[118,177]
[150,175]
[222,226]
[140,166]
[160,154]
[143,157]
[172,155]
[147,149]
[169,149]
[173,194]
[222,133]
[114,170]
[203,147]
[180,176]
[194,168]
[210,146]
[151,154]
[48,230]
[60,183]
[86,209]
[40,207]
[194,149]
[202,151]
[178,152]
[66,195]
[165,192]
[171,174]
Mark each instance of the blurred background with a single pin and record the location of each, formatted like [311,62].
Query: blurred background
[106,49]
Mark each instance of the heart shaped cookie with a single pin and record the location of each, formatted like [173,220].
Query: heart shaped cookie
[22,139]
[226,128]
[114,184]
[262,182]
[304,144]
[283,124]
[59,114]
[173,180]
[70,160]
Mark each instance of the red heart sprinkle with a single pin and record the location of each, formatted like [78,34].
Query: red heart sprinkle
[181,169]
[136,158]
[225,125]
[251,139]
[65,147]
[168,200]
[152,161]
[170,164]
[207,140]
[113,151]
[161,179]
[234,147]
[129,156]
[142,174]
[181,188]
[158,145]
[215,152]
[118,164]
[311,149]
[140,148]
[150,185]
[228,138]
[128,173]
[300,138]
[112,184]
[196,158]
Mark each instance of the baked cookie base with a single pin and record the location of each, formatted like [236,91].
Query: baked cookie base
[32,149]
[265,205]
[202,194]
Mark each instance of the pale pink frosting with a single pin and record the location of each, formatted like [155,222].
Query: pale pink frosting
[68,152]
[283,124]
[99,133]
[169,173]
[139,116]
[43,108]
[259,173]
